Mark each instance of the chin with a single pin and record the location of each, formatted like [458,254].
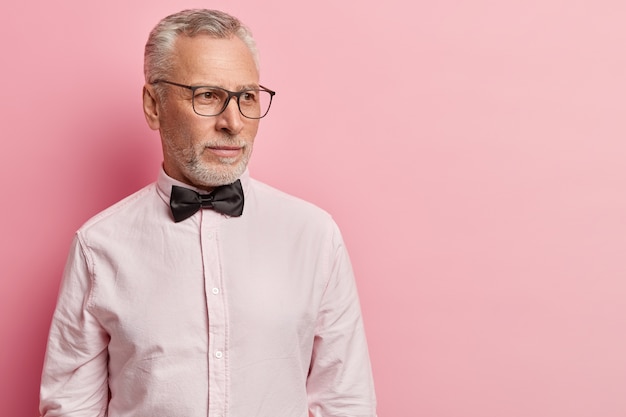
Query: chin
[216,176]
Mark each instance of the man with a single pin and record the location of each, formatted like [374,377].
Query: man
[207,293]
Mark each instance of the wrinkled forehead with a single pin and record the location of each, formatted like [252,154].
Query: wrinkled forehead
[209,60]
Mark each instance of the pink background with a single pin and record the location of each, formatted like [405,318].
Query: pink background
[472,153]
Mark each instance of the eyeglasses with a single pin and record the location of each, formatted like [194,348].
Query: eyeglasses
[253,103]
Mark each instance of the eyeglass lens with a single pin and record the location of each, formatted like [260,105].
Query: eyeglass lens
[210,101]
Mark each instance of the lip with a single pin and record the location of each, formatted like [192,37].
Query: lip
[225,151]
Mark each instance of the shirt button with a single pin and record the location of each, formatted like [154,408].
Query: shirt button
[219,354]
[215,291]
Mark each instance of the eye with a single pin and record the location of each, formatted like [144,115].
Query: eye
[207,96]
[249,96]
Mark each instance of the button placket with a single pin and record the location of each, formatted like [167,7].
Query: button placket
[217,315]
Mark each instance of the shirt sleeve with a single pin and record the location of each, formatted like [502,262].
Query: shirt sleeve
[340,379]
[74,378]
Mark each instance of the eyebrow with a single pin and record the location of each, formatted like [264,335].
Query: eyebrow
[239,87]
[254,85]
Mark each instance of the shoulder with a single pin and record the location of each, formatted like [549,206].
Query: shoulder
[127,211]
[265,197]
[270,211]
[287,224]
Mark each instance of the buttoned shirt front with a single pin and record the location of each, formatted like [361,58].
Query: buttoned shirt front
[214,316]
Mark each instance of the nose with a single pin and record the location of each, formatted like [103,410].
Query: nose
[230,120]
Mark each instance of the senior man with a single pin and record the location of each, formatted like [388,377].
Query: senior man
[207,293]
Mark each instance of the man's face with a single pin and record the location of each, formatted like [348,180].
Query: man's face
[204,151]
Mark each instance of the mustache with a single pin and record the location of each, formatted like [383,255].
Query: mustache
[225,140]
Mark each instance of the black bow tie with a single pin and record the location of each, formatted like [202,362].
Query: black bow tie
[225,199]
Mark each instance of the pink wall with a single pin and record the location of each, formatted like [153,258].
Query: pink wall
[472,152]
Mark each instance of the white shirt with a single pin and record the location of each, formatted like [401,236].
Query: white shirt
[251,316]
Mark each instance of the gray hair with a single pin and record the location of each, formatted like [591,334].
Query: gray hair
[217,24]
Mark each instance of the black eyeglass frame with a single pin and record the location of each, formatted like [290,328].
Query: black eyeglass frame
[231,94]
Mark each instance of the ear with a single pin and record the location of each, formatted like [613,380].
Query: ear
[151,107]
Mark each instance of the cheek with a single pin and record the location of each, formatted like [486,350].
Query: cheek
[176,117]
[190,131]
[252,130]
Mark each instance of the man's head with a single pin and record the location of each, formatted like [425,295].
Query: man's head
[201,48]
